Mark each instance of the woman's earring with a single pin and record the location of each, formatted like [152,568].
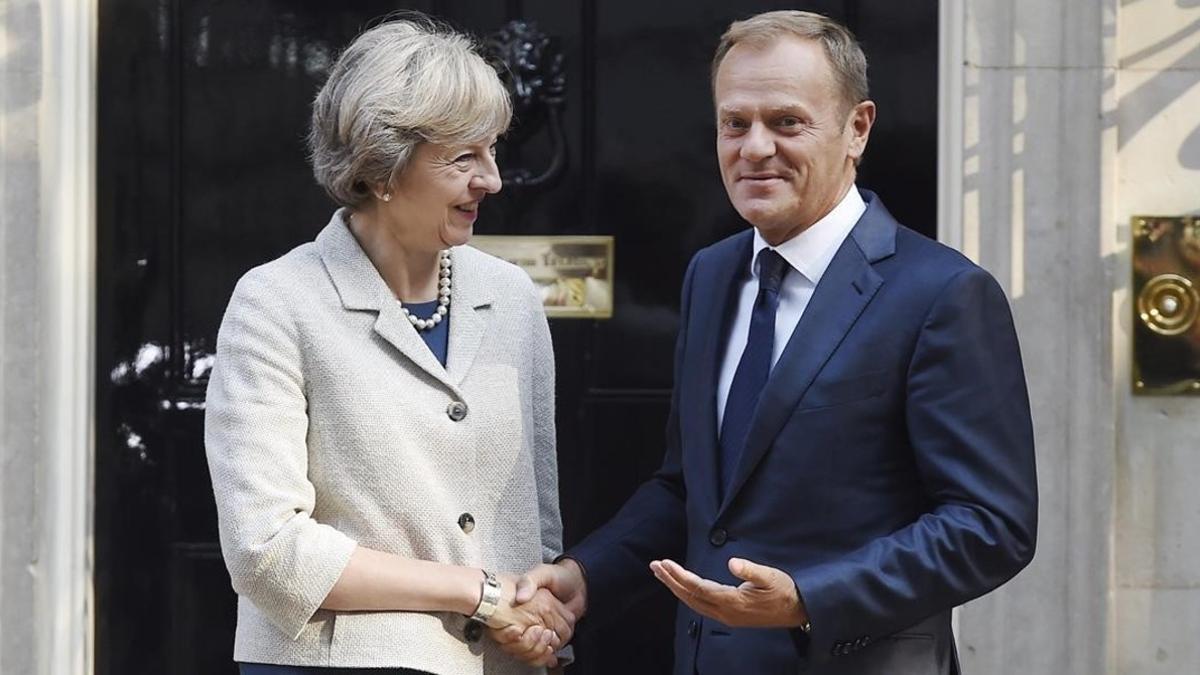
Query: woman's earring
[387,197]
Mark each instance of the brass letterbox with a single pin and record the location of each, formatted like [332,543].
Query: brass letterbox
[1166,305]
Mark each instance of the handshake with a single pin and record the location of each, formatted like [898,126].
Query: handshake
[537,617]
[538,611]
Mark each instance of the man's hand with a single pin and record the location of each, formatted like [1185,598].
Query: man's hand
[767,597]
[564,579]
[565,582]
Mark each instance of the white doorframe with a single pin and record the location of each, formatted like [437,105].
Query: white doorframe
[951,83]
[66,290]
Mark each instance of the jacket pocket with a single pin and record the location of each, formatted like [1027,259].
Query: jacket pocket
[828,393]
[898,654]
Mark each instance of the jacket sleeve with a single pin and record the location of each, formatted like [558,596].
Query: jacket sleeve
[971,436]
[652,524]
[255,430]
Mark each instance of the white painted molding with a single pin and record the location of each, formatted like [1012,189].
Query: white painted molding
[66,290]
[951,89]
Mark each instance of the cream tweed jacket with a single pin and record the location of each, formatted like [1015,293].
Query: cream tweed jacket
[327,426]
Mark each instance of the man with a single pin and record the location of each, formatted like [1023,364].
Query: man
[849,452]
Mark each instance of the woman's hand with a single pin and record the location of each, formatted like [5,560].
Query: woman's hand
[532,631]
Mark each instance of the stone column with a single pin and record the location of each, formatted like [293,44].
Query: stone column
[1037,172]
[47,223]
[20,212]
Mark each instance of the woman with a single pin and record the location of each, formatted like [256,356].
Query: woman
[380,416]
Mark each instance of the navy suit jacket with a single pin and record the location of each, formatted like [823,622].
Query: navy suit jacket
[889,467]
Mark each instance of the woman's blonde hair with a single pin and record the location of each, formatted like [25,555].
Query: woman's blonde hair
[405,81]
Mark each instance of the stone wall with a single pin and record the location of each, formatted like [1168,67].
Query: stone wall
[1157,508]
[20,95]
[1077,115]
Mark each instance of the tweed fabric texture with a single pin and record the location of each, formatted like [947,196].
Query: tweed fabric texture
[327,427]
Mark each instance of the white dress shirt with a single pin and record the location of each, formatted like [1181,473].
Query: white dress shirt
[809,254]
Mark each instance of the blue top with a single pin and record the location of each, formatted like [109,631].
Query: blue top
[437,337]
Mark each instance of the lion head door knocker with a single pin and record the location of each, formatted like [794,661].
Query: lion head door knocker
[531,66]
[1166,286]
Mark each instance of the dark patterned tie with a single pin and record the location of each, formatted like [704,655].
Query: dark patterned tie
[755,365]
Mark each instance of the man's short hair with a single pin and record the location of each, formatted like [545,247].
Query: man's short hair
[406,81]
[843,51]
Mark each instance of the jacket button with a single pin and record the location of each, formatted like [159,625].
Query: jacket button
[693,628]
[718,536]
[467,522]
[473,631]
[457,411]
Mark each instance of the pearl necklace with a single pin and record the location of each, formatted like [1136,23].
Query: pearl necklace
[443,307]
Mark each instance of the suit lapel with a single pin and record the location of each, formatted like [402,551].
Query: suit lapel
[362,289]
[845,290]
[713,305]
[470,306]
[394,327]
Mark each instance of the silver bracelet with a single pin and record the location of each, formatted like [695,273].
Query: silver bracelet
[489,598]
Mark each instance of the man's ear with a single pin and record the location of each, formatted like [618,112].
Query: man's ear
[858,125]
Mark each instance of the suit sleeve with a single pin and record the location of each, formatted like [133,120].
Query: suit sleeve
[255,426]
[652,523]
[971,435]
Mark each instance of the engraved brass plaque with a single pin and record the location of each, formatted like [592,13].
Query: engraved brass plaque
[1166,305]
[574,274]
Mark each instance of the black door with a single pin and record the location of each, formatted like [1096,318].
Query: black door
[202,175]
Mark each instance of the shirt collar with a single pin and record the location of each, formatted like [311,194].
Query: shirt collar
[811,251]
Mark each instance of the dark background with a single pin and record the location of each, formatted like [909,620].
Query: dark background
[202,175]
